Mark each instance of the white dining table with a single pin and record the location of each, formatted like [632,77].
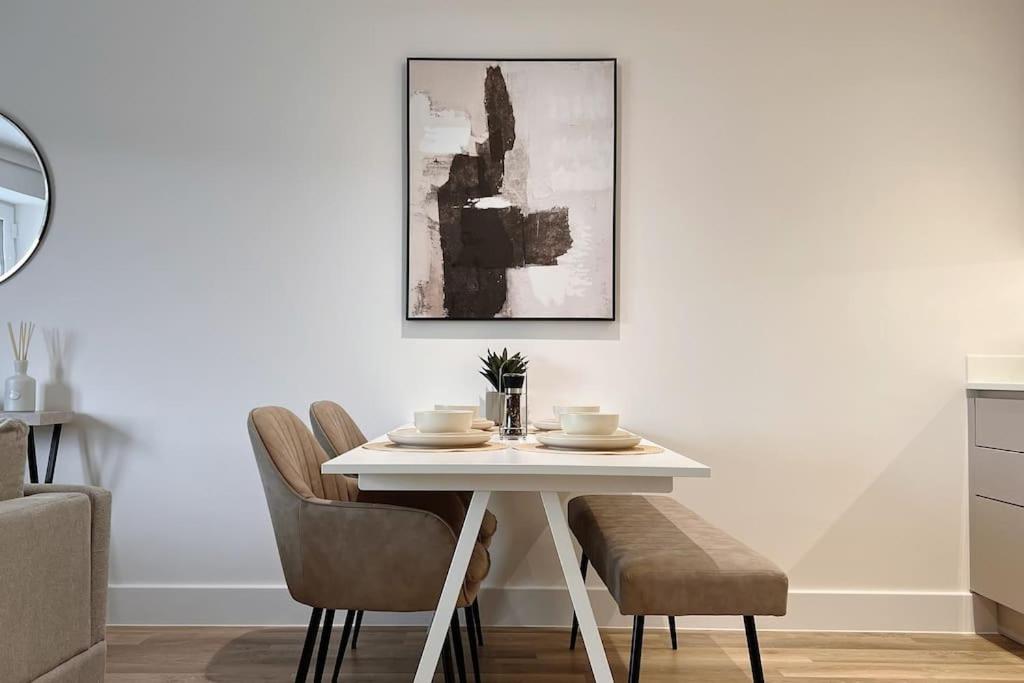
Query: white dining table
[549,473]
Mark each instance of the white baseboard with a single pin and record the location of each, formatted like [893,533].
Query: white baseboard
[949,612]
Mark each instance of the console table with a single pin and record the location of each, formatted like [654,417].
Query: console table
[41,418]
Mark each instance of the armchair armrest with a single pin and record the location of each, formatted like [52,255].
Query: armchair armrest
[394,559]
[45,586]
[99,530]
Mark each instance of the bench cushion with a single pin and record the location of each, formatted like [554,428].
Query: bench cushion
[658,557]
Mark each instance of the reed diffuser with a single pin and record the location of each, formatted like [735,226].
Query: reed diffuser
[20,389]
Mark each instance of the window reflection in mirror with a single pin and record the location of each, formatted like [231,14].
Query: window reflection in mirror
[24,198]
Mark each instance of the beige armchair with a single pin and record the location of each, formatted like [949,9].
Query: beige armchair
[342,548]
[54,544]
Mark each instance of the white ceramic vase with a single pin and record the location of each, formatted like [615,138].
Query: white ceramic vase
[494,407]
[20,389]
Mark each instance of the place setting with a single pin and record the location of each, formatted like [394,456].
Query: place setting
[585,429]
[446,428]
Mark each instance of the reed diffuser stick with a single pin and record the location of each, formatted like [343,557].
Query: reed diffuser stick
[20,345]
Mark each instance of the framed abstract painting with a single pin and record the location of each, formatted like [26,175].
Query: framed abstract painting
[511,189]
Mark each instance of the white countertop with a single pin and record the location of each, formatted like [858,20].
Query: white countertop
[995,386]
[995,373]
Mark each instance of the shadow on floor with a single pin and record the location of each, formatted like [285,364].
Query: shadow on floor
[509,654]
[1004,643]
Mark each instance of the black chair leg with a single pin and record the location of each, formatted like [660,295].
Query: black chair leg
[345,633]
[325,642]
[446,660]
[477,621]
[672,632]
[575,622]
[637,649]
[355,629]
[307,646]
[753,649]
[474,656]
[460,656]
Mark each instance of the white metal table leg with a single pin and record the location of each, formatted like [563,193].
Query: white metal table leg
[452,585]
[555,511]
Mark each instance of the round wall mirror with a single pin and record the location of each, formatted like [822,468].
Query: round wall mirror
[24,197]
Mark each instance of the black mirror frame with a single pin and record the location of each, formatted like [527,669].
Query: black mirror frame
[48,179]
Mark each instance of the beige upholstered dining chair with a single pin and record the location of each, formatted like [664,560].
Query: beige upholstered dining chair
[342,548]
[338,433]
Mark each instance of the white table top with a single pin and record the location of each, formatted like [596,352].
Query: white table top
[510,461]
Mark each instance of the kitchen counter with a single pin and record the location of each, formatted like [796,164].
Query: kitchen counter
[995,373]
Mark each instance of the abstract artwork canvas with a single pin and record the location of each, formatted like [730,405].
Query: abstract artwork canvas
[511,189]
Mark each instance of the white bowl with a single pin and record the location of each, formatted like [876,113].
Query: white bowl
[591,424]
[443,421]
[475,409]
[562,410]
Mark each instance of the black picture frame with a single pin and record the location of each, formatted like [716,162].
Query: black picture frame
[615,187]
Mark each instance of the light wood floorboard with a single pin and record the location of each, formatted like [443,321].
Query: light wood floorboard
[233,655]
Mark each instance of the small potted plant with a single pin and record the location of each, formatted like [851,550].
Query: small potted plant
[496,365]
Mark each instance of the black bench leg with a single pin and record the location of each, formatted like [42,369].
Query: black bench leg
[345,633]
[460,657]
[755,651]
[471,633]
[325,643]
[355,628]
[672,632]
[478,622]
[575,622]
[637,649]
[307,646]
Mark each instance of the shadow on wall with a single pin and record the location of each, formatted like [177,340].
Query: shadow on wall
[921,475]
[101,445]
[511,329]
[55,393]
[103,448]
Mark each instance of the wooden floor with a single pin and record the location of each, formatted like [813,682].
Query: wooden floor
[180,655]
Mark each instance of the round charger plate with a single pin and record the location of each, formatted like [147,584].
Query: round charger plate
[621,439]
[643,449]
[410,436]
[547,425]
[392,447]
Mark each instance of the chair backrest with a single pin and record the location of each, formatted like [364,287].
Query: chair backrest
[293,451]
[289,458]
[334,428]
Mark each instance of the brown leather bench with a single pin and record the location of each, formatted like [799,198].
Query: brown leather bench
[658,557]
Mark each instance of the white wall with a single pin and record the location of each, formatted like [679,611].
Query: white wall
[821,214]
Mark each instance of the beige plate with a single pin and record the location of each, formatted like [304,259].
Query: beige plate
[410,436]
[547,425]
[620,439]
[483,424]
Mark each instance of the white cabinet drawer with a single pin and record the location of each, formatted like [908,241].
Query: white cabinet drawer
[997,474]
[999,423]
[997,554]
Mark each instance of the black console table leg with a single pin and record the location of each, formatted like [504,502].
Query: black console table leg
[51,464]
[33,470]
